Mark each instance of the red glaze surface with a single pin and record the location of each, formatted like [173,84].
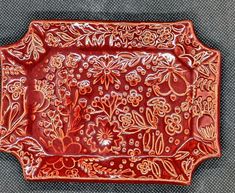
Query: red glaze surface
[110,101]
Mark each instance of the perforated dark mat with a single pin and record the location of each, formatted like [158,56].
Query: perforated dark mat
[215,25]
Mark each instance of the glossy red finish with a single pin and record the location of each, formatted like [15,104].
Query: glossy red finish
[110,101]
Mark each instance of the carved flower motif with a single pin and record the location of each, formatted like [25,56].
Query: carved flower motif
[165,34]
[160,106]
[207,132]
[66,145]
[46,88]
[84,87]
[16,89]
[72,60]
[206,124]
[52,40]
[133,78]
[106,70]
[126,120]
[149,37]
[104,136]
[169,77]
[57,61]
[72,173]
[144,167]
[62,163]
[134,98]
[134,154]
[52,125]
[188,165]
[173,125]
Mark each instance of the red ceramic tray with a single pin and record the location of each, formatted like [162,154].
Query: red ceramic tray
[110,101]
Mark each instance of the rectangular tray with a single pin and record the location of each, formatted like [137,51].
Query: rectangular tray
[110,101]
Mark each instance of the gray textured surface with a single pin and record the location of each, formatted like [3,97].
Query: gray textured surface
[215,25]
